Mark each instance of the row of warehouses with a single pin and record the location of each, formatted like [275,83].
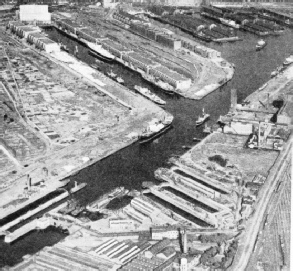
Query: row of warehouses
[144,29]
[140,61]
[33,35]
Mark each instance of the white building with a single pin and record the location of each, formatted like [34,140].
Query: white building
[159,233]
[121,224]
[34,13]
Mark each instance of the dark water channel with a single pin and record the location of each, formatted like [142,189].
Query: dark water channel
[135,164]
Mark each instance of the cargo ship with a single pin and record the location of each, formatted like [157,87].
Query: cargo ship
[155,129]
[98,51]
[163,85]
[148,94]
[106,198]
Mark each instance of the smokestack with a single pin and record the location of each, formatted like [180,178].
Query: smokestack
[184,241]
[28,181]
[233,99]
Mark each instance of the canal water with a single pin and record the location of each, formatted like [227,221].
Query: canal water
[136,163]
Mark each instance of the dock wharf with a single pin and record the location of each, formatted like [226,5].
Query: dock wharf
[185,206]
[175,178]
[10,210]
[196,174]
[42,223]
[197,196]
[40,208]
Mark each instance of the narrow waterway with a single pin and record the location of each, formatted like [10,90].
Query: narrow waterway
[135,164]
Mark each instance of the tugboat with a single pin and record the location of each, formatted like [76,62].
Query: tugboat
[120,80]
[288,61]
[112,74]
[155,129]
[63,47]
[201,119]
[148,94]
[261,44]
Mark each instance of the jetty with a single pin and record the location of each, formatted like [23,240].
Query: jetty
[25,229]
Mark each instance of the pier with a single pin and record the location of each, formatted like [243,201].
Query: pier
[40,208]
[185,206]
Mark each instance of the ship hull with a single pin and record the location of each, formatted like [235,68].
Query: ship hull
[198,123]
[148,138]
[99,56]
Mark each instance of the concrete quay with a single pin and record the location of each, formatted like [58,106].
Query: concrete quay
[182,204]
[4,228]
[195,195]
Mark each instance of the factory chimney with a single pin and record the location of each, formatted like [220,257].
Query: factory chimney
[28,181]
[183,235]
[233,99]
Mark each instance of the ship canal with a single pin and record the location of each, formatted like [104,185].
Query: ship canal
[137,163]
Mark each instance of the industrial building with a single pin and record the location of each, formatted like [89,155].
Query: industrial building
[174,79]
[24,31]
[137,216]
[34,13]
[159,233]
[144,207]
[121,224]
[32,35]
[60,257]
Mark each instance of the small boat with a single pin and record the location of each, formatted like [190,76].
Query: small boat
[120,80]
[148,94]
[274,73]
[63,47]
[112,74]
[71,205]
[288,60]
[77,210]
[261,44]
[95,66]
[155,129]
[201,119]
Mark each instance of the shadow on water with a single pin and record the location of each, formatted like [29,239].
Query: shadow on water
[136,164]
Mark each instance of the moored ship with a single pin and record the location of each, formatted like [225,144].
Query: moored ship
[98,51]
[119,80]
[148,94]
[102,201]
[202,119]
[288,61]
[261,44]
[155,129]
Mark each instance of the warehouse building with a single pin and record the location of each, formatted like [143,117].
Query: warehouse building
[173,78]
[47,45]
[34,13]
[24,31]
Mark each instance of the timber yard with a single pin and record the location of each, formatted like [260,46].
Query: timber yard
[128,141]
